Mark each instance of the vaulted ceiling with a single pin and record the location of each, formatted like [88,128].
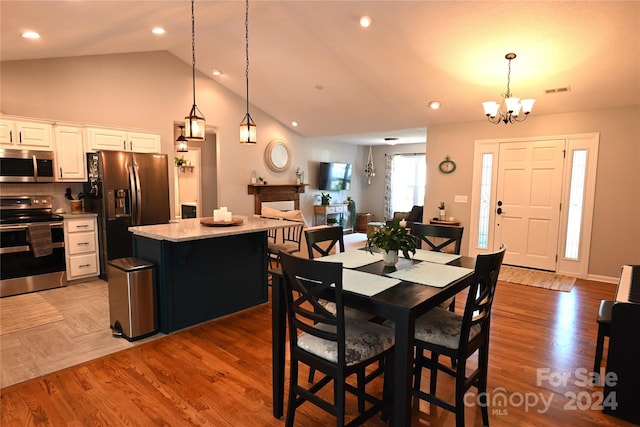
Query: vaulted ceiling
[310,61]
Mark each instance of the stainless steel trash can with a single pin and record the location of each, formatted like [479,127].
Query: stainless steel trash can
[132,298]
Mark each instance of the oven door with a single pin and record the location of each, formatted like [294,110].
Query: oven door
[19,269]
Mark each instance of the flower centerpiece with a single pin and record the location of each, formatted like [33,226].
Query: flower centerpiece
[392,239]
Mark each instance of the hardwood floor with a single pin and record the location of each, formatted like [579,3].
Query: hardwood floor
[219,373]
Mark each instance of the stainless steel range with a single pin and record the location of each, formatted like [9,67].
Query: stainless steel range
[22,270]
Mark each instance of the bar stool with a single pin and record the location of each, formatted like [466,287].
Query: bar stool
[604,330]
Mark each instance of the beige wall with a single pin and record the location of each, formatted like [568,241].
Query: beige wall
[616,217]
[152,91]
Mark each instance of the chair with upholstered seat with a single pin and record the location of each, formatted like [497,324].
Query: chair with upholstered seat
[284,240]
[604,330]
[321,241]
[439,238]
[443,332]
[331,343]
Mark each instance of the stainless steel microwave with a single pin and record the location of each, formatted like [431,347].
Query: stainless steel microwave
[26,166]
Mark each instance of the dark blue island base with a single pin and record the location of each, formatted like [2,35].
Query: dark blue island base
[199,280]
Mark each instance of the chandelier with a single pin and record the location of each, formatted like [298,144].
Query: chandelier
[194,122]
[508,111]
[247,126]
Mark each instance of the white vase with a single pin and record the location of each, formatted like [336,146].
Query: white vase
[390,258]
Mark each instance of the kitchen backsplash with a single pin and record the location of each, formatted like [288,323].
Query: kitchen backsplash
[55,189]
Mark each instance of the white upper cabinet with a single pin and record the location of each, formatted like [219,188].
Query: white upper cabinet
[25,134]
[122,140]
[144,142]
[71,161]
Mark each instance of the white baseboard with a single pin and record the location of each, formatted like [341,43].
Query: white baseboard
[604,279]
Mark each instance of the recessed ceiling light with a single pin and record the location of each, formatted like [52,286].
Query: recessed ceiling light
[30,35]
[158,30]
[365,21]
[434,105]
[216,72]
[294,124]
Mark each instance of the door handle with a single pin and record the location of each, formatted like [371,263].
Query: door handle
[499,211]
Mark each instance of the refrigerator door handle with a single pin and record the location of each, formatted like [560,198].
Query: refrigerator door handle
[134,186]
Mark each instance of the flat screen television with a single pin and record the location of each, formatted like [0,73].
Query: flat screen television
[334,176]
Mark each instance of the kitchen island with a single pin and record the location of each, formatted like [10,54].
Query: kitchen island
[205,272]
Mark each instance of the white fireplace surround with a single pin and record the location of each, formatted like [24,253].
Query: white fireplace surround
[283,205]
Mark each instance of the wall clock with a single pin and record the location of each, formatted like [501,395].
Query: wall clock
[447,165]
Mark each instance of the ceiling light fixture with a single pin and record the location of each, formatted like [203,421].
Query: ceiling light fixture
[182,142]
[365,21]
[248,126]
[216,72]
[158,30]
[194,122]
[30,35]
[508,111]
[434,105]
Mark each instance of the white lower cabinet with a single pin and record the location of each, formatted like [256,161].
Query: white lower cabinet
[81,247]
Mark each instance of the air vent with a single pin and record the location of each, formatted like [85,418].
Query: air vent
[558,90]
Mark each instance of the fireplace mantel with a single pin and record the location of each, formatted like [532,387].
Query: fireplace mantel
[275,193]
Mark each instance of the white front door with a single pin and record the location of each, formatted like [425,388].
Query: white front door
[528,196]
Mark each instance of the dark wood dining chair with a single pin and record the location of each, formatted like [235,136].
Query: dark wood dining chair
[443,332]
[439,238]
[331,343]
[604,330]
[322,240]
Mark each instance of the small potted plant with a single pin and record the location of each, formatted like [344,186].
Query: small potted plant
[392,239]
[325,199]
[352,210]
[179,161]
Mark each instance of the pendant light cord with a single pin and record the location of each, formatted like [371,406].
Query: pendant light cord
[246,35]
[193,51]
[508,94]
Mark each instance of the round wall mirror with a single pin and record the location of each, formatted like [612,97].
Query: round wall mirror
[277,155]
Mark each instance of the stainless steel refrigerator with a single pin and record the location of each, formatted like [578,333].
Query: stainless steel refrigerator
[125,189]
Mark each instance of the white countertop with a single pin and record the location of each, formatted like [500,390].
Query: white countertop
[67,215]
[191,229]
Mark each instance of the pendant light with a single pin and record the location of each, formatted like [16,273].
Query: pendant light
[194,122]
[182,142]
[248,126]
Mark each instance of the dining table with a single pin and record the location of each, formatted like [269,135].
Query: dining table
[401,293]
